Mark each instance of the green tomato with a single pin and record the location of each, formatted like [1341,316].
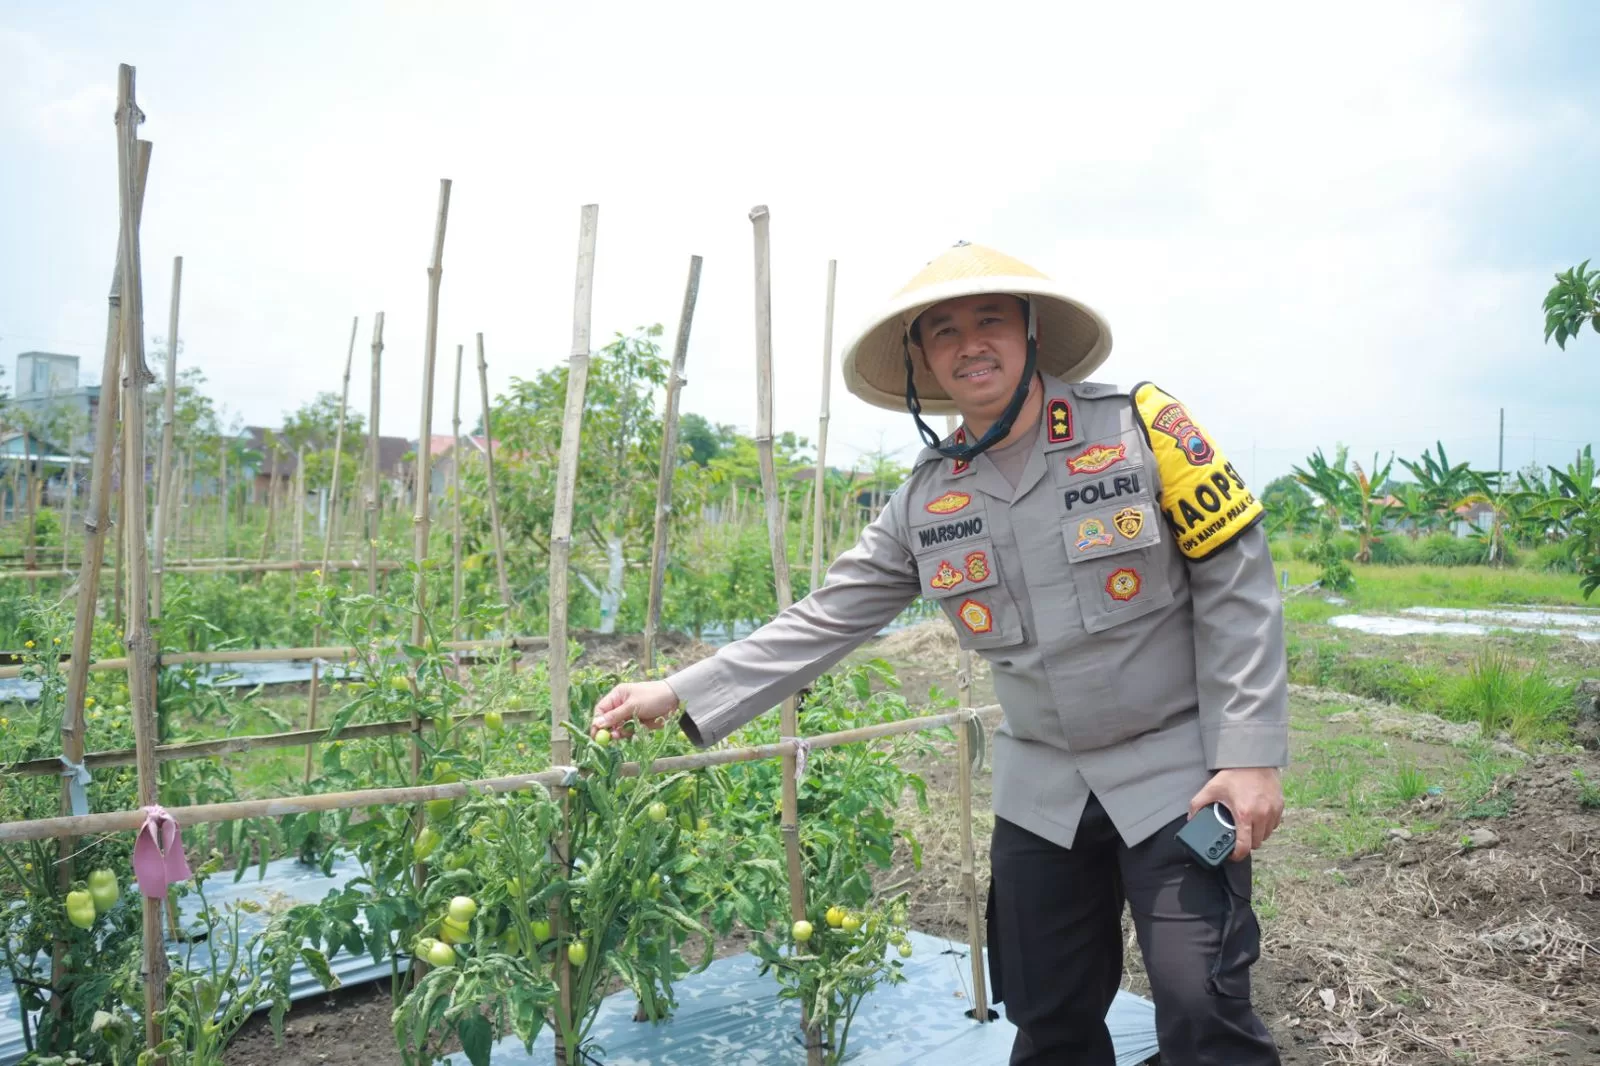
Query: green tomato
[494,721]
[426,842]
[801,931]
[400,683]
[603,738]
[463,909]
[103,890]
[80,908]
[541,929]
[657,811]
[439,809]
[513,888]
[905,949]
[440,955]
[454,932]
[577,953]
[835,916]
[851,923]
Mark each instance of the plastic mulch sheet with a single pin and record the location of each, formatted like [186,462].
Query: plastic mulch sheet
[730,1015]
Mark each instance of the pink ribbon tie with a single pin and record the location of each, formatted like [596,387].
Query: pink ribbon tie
[158,859]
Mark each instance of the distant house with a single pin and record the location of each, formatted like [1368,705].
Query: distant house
[1471,518]
[444,455]
[278,465]
[48,387]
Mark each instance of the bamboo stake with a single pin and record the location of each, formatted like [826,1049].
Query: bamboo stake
[560,555]
[760,219]
[819,505]
[222,489]
[494,499]
[374,516]
[29,555]
[140,671]
[669,463]
[72,491]
[164,471]
[276,807]
[419,625]
[566,478]
[97,505]
[298,497]
[455,504]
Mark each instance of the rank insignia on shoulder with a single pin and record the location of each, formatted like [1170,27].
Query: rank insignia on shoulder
[1059,425]
[1092,534]
[959,466]
[1203,497]
[1096,458]
[1129,521]
[949,503]
[975,616]
[1124,584]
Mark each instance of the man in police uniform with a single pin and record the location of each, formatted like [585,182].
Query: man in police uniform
[1099,550]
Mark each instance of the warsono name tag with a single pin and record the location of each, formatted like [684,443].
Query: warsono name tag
[933,536]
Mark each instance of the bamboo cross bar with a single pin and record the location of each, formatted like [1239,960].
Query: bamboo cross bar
[275,807]
[669,464]
[201,749]
[272,655]
[221,568]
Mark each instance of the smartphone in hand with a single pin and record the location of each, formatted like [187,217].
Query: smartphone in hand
[1210,834]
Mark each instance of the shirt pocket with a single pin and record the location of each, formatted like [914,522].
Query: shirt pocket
[1112,532]
[964,580]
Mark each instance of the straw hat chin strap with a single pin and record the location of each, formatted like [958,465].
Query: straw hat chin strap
[1002,425]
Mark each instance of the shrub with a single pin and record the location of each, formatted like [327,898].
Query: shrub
[1445,549]
[1500,697]
[1558,558]
[1394,551]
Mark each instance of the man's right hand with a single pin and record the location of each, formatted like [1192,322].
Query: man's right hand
[648,702]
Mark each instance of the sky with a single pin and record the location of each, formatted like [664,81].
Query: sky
[1314,225]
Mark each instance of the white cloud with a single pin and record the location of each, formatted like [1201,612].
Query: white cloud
[1272,207]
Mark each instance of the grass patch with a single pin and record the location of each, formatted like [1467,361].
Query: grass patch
[1393,587]
[1588,794]
[1498,694]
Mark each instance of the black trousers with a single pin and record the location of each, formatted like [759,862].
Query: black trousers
[1055,945]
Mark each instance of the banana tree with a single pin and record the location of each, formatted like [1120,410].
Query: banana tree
[1575,504]
[1416,509]
[1333,485]
[1371,509]
[1442,482]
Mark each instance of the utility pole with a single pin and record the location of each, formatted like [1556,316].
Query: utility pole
[1500,463]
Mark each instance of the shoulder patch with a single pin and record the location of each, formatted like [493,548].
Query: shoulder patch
[1202,495]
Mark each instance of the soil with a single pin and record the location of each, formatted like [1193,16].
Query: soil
[1427,952]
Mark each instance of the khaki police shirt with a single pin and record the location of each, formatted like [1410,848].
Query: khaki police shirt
[1122,593]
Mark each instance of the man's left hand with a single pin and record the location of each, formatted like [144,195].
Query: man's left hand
[1254,795]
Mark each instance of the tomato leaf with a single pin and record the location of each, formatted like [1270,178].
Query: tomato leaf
[477,1038]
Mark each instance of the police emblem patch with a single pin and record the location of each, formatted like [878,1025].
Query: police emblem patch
[1124,584]
[1097,458]
[975,616]
[1174,421]
[1129,521]
[977,566]
[1092,534]
[946,577]
[949,503]
[1059,426]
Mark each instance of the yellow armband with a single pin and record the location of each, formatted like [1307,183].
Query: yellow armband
[1203,496]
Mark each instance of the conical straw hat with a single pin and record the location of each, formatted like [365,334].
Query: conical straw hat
[1073,339]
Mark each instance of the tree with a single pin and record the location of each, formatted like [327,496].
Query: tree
[704,440]
[619,451]
[1443,484]
[1573,300]
[1575,504]
[315,426]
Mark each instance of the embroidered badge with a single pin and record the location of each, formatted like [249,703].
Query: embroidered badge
[975,616]
[1097,458]
[1174,421]
[1129,521]
[949,503]
[977,566]
[959,466]
[1060,426]
[946,577]
[1092,534]
[1123,585]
